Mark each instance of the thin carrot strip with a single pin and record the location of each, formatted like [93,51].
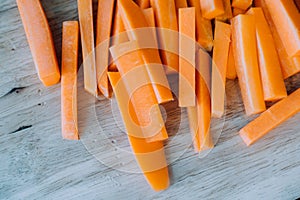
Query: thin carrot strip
[134,19]
[204,33]
[238,11]
[180,4]
[242,4]
[285,16]
[211,8]
[104,23]
[219,67]
[227,11]
[69,80]
[150,18]
[40,40]
[187,62]
[272,80]
[143,3]
[271,118]
[289,66]
[85,13]
[231,72]
[245,55]
[149,156]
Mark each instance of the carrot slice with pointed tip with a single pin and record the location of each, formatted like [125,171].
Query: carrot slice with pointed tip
[231,72]
[211,8]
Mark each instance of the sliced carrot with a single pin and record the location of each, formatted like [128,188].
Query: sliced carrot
[69,80]
[40,40]
[133,71]
[289,66]
[180,4]
[211,8]
[285,16]
[238,11]
[245,56]
[85,13]
[272,80]
[166,20]
[231,72]
[204,33]
[271,118]
[143,3]
[193,122]
[187,62]
[104,23]
[242,4]
[227,11]
[219,67]
[149,156]
[134,19]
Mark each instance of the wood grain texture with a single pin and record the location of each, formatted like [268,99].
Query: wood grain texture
[37,164]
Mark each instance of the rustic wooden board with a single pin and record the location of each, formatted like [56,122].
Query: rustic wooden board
[36,163]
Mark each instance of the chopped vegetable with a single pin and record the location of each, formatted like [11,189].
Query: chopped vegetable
[211,8]
[231,72]
[238,11]
[227,11]
[180,4]
[143,3]
[242,4]
[40,40]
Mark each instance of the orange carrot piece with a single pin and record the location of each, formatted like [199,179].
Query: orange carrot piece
[166,19]
[180,4]
[227,11]
[271,118]
[289,66]
[211,8]
[245,56]
[134,18]
[69,80]
[285,16]
[193,122]
[149,156]
[40,40]
[219,67]
[272,80]
[242,4]
[133,71]
[231,72]
[204,33]
[238,11]
[104,23]
[85,13]
[143,3]
[187,62]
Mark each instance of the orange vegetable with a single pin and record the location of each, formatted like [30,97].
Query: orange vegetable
[204,34]
[227,11]
[104,23]
[231,72]
[289,66]
[187,62]
[149,156]
[132,69]
[143,3]
[242,4]
[180,4]
[166,19]
[272,80]
[69,80]
[245,55]
[134,18]
[285,16]
[271,118]
[238,11]
[85,13]
[40,40]
[219,67]
[211,8]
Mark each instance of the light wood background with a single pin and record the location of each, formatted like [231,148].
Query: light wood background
[35,163]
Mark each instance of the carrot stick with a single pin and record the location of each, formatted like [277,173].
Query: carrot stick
[180,4]
[245,55]
[285,16]
[272,80]
[211,8]
[242,4]
[149,156]
[227,11]
[187,62]
[289,66]
[166,19]
[104,23]
[134,18]
[143,3]
[132,69]
[204,33]
[271,118]
[238,11]
[40,40]
[69,80]
[193,122]
[219,67]
[85,13]
[231,72]
[150,18]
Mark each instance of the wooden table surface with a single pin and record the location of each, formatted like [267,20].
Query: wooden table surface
[35,163]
